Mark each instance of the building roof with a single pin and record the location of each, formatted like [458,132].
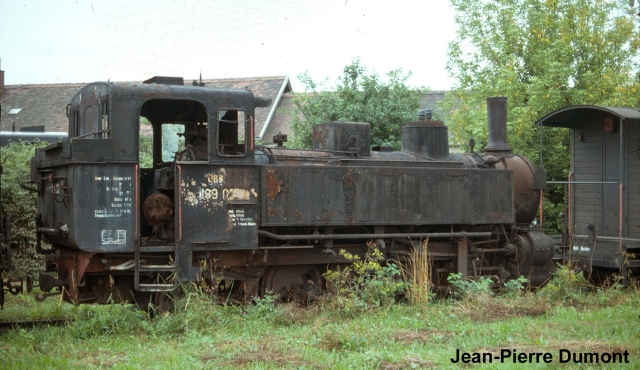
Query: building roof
[42,105]
[45,104]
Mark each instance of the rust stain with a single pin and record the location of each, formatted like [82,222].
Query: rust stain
[298,216]
[239,179]
[348,180]
[319,135]
[493,216]
[273,185]
[272,212]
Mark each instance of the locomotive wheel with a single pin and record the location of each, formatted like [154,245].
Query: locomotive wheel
[292,283]
[165,301]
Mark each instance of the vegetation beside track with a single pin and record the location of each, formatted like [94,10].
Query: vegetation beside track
[202,334]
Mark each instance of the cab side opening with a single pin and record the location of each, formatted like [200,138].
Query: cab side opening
[170,131]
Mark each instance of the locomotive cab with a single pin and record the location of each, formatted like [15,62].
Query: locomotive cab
[138,159]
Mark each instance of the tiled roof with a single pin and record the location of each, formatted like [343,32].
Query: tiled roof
[41,105]
[45,104]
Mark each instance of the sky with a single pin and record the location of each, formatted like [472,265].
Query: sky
[63,41]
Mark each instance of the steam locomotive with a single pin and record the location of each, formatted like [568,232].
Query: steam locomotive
[212,205]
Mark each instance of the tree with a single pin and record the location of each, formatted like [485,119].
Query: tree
[386,105]
[541,55]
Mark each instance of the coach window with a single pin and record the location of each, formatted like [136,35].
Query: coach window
[232,136]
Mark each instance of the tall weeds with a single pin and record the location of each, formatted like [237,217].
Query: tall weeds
[419,271]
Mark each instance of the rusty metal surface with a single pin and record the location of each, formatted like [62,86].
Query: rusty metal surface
[218,206]
[340,136]
[337,195]
[526,199]
[428,139]
[94,204]
[157,209]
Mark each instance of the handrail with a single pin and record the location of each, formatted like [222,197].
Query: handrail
[570,199]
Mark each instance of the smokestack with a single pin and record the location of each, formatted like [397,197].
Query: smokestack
[497,117]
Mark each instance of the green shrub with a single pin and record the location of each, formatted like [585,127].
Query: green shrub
[464,288]
[566,284]
[21,204]
[366,282]
[514,287]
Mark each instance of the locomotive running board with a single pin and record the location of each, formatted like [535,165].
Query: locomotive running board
[158,271]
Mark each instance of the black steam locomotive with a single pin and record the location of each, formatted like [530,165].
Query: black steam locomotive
[212,205]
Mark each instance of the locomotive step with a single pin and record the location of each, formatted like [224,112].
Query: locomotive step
[158,248]
[157,287]
[156,268]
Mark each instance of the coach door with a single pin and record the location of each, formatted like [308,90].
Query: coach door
[611,192]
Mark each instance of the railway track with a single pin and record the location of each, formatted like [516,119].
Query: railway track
[31,324]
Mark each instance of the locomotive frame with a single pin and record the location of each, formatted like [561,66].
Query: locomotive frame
[266,218]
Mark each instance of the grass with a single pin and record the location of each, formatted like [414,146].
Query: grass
[397,336]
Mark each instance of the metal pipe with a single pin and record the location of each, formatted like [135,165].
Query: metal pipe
[490,250]
[178,196]
[569,212]
[541,212]
[622,178]
[44,230]
[375,236]
[583,182]
[595,205]
[564,221]
[620,211]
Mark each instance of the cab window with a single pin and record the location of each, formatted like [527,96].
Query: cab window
[232,133]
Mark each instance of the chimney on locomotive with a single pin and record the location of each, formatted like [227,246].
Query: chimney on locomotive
[426,137]
[497,118]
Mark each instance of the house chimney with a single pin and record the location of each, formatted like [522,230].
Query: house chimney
[497,117]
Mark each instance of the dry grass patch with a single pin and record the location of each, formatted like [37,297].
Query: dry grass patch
[260,351]
[266,356]
[103,359]
[270,357]
[488,309]
[422,336]
[296,314]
